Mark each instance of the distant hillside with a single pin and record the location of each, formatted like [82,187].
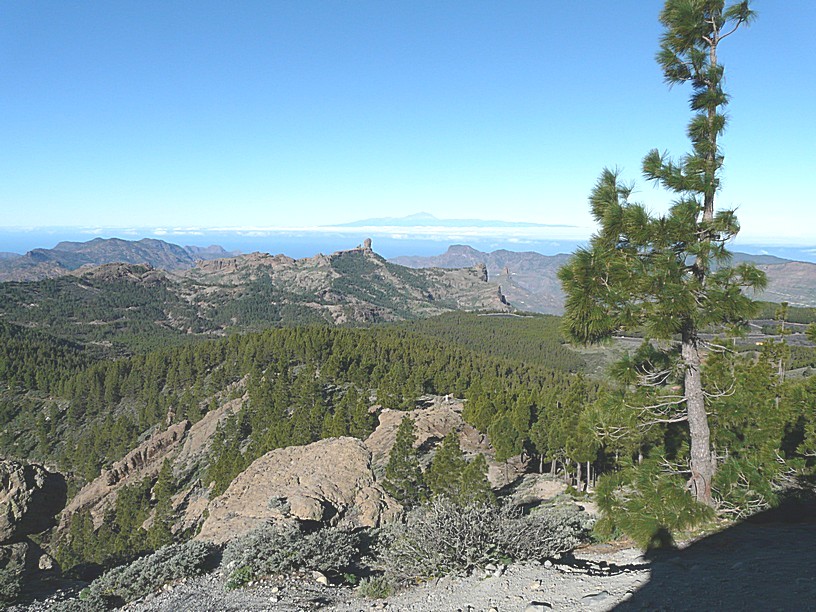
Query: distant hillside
[528,279]
[66,256]
[530,282]
[133,307]
[791,281]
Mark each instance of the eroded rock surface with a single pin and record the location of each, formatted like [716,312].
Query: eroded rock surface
[142,462]
[30,497]
[330,481]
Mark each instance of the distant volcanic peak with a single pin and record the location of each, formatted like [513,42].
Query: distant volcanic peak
[460,249]
[421,216]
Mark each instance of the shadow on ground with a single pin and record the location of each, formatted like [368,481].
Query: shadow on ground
[767,562]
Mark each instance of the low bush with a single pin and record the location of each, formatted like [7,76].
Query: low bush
[442,537]
[277,549]
[375,587]
[123,584]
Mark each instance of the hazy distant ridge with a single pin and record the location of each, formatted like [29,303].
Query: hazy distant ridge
[528,279]
[67,256]
[530,282]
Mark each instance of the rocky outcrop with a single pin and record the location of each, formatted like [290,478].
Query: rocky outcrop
[30,497]
[439,417]
[329,482]
[225,268]
[528,280]
[144,274]
[143,457]
[144,461]
[355,285]
[196,443]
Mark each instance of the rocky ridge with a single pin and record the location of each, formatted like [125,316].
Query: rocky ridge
[67,256]
[247,292]
[335,481]
[530,281]
[347,286]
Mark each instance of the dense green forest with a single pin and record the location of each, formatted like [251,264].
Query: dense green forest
[82,412]
[118,316]
[92,414]
[531,338]
[74,407]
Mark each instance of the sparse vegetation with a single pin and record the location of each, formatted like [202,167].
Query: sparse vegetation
[280,549]
[443,537]
[11,578]
[145,575]
[375,587]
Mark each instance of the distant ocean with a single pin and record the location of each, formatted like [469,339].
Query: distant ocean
[306,244]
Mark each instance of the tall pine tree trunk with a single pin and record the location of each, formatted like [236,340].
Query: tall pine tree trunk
[578,477]
[703,466]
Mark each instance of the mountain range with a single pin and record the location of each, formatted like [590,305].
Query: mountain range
[530,281]
[355,285]
[67,256]
[130,306]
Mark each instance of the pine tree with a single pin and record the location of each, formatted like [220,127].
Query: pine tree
[453,476]
[444,475]
[669,275]
[475,485]
[161,529]
[403,476]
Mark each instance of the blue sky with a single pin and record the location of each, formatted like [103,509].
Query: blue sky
[303,113]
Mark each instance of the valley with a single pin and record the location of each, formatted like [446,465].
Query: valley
[193,405]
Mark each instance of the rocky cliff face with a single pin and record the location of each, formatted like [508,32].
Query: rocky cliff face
[528,279]
[30,498]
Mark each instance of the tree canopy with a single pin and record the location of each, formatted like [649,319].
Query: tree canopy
[668,275]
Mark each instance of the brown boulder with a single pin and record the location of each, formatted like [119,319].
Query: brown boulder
[30,497]
[330,481]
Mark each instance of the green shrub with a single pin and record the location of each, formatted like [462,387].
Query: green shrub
[145,575]
[647,505]
[443,537]
[239,577]
[548,531]
[277,549]
[375,587]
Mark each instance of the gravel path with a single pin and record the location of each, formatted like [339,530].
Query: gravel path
[592,581]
